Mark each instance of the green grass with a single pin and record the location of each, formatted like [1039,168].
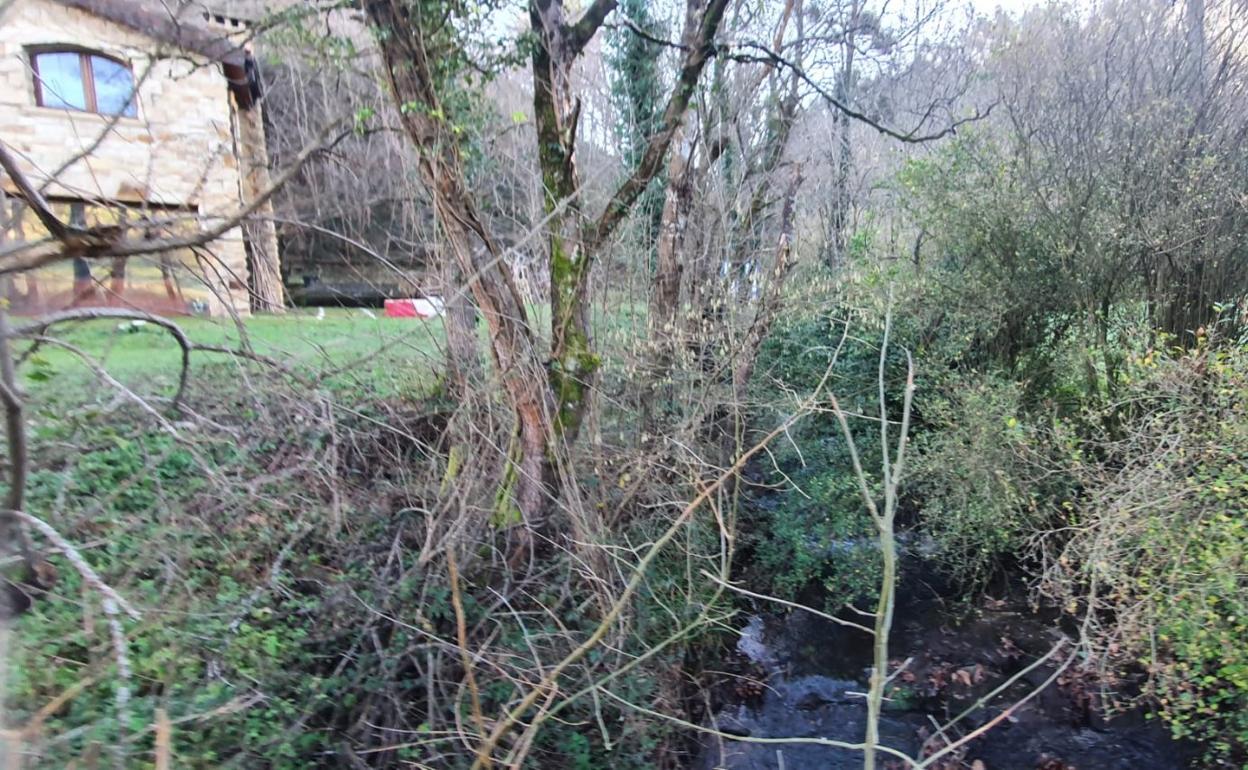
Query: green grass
[394,355]
[389,356]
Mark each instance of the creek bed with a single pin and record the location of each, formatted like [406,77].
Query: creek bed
[806,675]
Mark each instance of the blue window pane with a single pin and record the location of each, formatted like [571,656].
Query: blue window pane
[114,87]
[60,80]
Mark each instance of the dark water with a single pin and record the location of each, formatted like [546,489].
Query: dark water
[813,672]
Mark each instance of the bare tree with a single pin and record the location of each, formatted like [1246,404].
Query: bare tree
[410,42]
[572,245]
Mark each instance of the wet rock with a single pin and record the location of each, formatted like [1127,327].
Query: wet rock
[811,692]
[750,643]
[734,722]
[811,701]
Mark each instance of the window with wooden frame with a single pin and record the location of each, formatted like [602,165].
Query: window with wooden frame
[88,81]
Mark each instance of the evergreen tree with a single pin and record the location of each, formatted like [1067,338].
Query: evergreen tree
[637,92]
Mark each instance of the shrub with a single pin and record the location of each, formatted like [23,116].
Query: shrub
[974,477]
[1152,553]
[818,536]
[817,533]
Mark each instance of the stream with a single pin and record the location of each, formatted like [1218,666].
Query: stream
[799,675]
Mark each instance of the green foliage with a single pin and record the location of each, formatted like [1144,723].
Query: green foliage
[1057,431]
[818,532]
[273,639]
[820,536]
[1001,279]
[209,645]
[636,78]
[637,93]
[974,477]
[1159,535]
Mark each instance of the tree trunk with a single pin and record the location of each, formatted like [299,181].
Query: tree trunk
[405,42]
[557,44]
[459,315]
[268,294]
[769,303]
[557,112]
[838,225]
[677,202]
[512,344]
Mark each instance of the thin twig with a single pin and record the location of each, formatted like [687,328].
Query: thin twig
[785,602]
[461,635]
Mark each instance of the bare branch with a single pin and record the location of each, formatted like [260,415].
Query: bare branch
[38,327]
[32,196]
[109,241]
[787,741]
[584,29]
[768,56]
[786,603]
[89,575]
[700,48]
[631,26]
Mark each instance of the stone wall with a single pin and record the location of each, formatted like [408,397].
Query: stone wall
[179,151]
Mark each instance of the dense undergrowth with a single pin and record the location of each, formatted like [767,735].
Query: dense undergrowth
[1083,454]
[330,571]
[278,551]
[289,620]
[279,544]
[274,546]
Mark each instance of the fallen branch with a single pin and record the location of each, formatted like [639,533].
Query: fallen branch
[461,635]
[89,575]
[786,603]
[38,327]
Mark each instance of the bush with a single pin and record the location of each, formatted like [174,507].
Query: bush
[226,639]
[817,533]
[974,474]
[820,536]
[1152,554]
[276,635]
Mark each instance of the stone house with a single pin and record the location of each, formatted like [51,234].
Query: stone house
[121,111]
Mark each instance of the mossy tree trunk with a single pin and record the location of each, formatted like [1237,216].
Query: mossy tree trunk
[556,111]
[574,240]
[412,34]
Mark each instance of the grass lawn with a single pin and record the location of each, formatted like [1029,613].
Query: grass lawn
[389,356]
[395,355]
